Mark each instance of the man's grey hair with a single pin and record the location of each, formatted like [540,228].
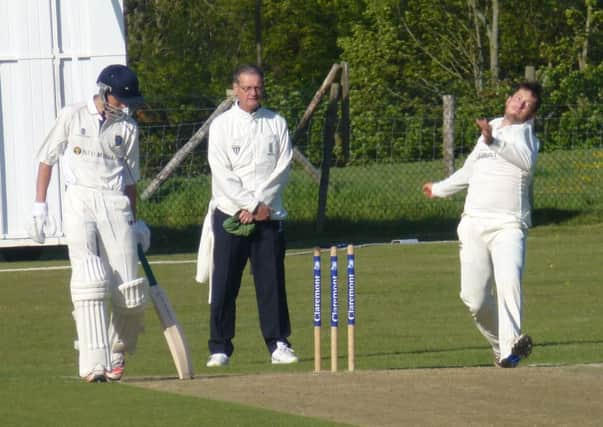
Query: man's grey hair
[247,69]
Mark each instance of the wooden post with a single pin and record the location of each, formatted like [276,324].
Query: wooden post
[530,73]
[310,169]
[345,112]
[327,155]
[301,126]
[448,134]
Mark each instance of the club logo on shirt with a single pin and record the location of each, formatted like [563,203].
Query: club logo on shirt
[89,154]
[236,149]
[270,149]
[83,131]
[486,154]
[118,140]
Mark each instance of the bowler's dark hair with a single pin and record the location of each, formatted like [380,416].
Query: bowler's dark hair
[535,88]
[247,69]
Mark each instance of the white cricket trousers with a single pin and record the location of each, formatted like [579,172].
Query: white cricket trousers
[101,223]
[492,258]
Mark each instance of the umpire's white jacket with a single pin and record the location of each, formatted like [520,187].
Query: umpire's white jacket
[250,156]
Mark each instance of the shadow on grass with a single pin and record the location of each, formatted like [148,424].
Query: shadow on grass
[341,231]
[550,216]
[166,240]
[303,234]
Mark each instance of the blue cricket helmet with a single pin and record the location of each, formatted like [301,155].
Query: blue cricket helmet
[122,83]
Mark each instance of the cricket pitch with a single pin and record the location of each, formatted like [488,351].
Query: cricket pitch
[528,395]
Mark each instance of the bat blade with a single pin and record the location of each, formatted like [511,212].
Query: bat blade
[173,333]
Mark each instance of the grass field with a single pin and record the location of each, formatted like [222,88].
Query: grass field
[408,317]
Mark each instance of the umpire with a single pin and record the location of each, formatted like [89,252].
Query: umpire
[249,153]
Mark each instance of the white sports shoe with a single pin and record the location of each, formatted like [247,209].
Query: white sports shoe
[217,360]
[283,354]
[96,375]
[118,364]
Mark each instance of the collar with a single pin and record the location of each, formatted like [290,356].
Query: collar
[243,113]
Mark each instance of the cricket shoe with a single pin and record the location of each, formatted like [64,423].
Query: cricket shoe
[283,354]
[216,360]
[521,349]
[96,375]
[118,366]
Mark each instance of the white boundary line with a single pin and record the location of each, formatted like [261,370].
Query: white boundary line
[192,261]
[21,270]
[67,267]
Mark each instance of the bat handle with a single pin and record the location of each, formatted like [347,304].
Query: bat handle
[146,267]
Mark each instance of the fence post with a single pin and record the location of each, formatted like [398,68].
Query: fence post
[448,134]
[530,73]
[327,155]
[301,126]
[345,112]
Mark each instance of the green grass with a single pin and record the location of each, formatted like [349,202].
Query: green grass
[408,316]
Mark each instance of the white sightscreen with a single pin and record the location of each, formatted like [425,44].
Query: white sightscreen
[50,55]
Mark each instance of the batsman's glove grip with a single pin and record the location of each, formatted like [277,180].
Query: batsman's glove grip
[143,235]
[234,226]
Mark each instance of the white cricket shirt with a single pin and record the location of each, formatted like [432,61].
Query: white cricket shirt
[498,176]
[101,157]
[250,156]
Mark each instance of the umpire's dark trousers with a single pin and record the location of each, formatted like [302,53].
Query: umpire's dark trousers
[265,249]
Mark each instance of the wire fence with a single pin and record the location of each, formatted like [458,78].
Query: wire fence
[378,191]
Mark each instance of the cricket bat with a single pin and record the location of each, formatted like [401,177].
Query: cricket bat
[172,331]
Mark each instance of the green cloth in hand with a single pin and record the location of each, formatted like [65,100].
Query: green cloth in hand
[233,226]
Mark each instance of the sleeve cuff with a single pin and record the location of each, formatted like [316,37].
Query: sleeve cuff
[253,205]
[434,190]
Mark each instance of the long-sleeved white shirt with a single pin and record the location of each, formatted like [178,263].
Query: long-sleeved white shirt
[250,156]
[498,176]
[103,157]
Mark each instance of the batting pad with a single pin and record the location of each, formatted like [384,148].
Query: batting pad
[89,294]
[127,319]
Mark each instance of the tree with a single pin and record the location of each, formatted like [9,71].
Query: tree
[480,18]
[586,23]
[258,32]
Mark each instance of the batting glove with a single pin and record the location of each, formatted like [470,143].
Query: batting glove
[39,218]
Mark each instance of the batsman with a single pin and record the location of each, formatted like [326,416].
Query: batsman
[97,142]
[493,230]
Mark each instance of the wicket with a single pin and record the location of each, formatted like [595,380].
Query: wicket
[351,312]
